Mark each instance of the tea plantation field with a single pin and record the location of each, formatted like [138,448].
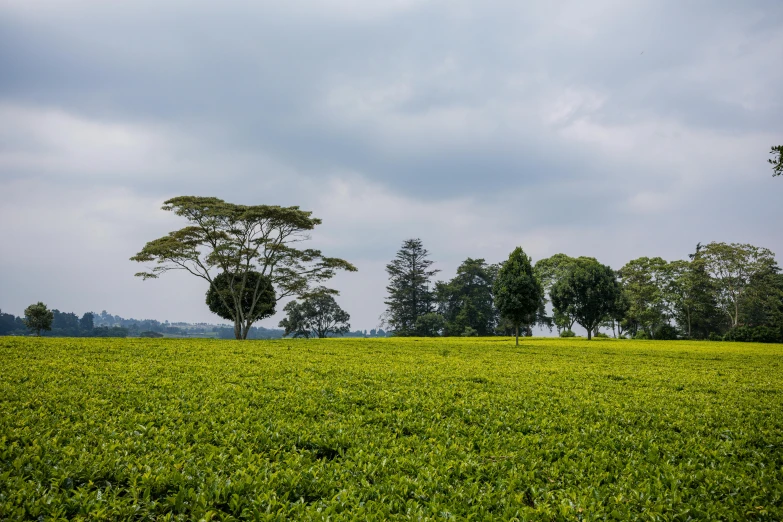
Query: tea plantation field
[390,429]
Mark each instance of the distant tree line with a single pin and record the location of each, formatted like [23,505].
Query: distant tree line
[54,323]
[722,291]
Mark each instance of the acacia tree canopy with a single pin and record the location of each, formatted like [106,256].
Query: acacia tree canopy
[224,237]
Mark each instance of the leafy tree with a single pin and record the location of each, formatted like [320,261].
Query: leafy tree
[734,268]
[37,317]
[518,292]
[467,300]
[762,304]
[690,293]
[644,281]
[87,322]
[409,291]
[7,323]
[618,319]
[430,325]
[258,299]
[317,315]
[65,323]
[239,239]
[549,271]
[588,292]
[777,160]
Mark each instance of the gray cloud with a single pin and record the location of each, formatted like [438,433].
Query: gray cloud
[605,128]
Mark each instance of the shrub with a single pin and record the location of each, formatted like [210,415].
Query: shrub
[567,333]
[753,334]
[469,332]
[151,335]
[665,332]
[714,336]
[642,335]
[601,335]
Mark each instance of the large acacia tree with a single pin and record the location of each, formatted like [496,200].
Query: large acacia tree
[235,239]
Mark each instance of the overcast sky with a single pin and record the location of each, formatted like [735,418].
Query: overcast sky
[610,129]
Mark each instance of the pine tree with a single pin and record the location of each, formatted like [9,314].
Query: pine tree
[409,291]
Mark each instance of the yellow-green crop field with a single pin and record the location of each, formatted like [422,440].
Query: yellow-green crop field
[360,429]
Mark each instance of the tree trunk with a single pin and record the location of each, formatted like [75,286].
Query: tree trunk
[237,330]
[516,331]
[589,333]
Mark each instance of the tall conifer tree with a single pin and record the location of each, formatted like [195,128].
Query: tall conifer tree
[410,296]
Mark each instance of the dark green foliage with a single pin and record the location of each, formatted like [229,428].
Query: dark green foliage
[737,270]
[588,293]
[665,332]
[430,325]
[469,332]
[467,301]
[317,315]
[87,322]
[567,333]
[518,292]
[644,283]
[106,331]
[551,270]
[754,334]
[777,160]
[37,318]
[8,323]
[601,335]
[151,335]
[410,296]
[643,336]
[251,293]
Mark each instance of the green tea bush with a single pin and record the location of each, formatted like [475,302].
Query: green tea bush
[390,429]
[567,333]
[601,335]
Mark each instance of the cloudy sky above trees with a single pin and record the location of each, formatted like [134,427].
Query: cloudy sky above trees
[606,128]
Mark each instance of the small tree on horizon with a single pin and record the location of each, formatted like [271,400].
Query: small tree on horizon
[38,317]
[317,315]
[518,292]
